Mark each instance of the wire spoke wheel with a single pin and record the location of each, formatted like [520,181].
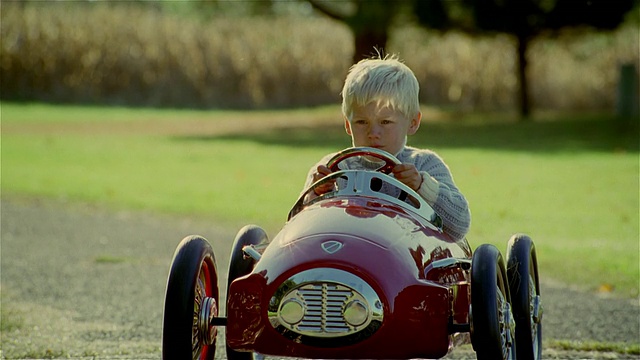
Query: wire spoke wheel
[522,270]
[506,325]
[205,308]
[492,322]
[191,302]
[534,318]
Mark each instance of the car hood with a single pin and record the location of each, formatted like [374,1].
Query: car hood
[384,223]
[360,235]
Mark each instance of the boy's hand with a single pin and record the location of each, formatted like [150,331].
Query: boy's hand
[323,171]
[409,175]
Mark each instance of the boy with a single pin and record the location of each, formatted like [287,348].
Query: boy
[380,107]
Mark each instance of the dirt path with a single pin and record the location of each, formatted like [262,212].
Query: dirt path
[83,282]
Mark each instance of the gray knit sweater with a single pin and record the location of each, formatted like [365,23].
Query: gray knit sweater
[446,200]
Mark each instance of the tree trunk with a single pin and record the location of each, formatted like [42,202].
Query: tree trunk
[369,24]
[525,110]
[369,43]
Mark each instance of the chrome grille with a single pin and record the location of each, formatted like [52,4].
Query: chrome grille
[323,307]
[306,308]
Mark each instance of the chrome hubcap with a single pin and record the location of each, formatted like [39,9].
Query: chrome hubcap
[535,307]
[208,311]
[507,326]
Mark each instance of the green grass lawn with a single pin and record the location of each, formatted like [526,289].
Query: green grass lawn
[571,184]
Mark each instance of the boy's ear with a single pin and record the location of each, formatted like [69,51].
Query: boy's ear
[347,126]
[415,124]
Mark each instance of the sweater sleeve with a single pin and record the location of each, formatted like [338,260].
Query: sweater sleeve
[440,191]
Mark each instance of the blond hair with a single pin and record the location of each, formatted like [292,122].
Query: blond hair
[387,81]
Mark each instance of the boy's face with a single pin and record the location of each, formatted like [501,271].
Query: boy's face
[380,127]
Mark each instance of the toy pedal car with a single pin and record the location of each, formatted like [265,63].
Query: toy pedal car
[352,272]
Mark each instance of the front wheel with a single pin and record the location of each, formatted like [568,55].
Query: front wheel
[492,324]
[522,270]
[191,302]
[240,265]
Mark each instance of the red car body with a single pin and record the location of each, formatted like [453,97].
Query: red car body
[353,275]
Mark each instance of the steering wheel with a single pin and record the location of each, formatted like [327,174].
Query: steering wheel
[389,160]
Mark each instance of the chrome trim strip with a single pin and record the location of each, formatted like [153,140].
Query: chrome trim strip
[449,263]
[250,251]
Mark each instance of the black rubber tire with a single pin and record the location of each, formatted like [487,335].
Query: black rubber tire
[240,266]
[193,262]
[524,285]
[488,276]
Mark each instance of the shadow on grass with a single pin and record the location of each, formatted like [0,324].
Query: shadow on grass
[599,135]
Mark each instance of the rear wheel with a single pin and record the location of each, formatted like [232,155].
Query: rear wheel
[522,271]
[191,302]
[239,266]
[492,325]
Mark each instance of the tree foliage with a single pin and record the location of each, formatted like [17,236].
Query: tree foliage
[370,21]
[527,19]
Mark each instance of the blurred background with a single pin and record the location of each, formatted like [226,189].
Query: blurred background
[212,112]
[468,55]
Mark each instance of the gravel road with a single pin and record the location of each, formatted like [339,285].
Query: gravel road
[83,282]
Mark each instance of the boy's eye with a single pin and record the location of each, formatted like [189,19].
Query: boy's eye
[386,122]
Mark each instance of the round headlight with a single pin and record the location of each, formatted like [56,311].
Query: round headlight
[356,313]
[292,311]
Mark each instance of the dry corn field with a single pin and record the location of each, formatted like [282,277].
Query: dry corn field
[124,54]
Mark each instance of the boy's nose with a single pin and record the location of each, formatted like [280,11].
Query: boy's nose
[374,131]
